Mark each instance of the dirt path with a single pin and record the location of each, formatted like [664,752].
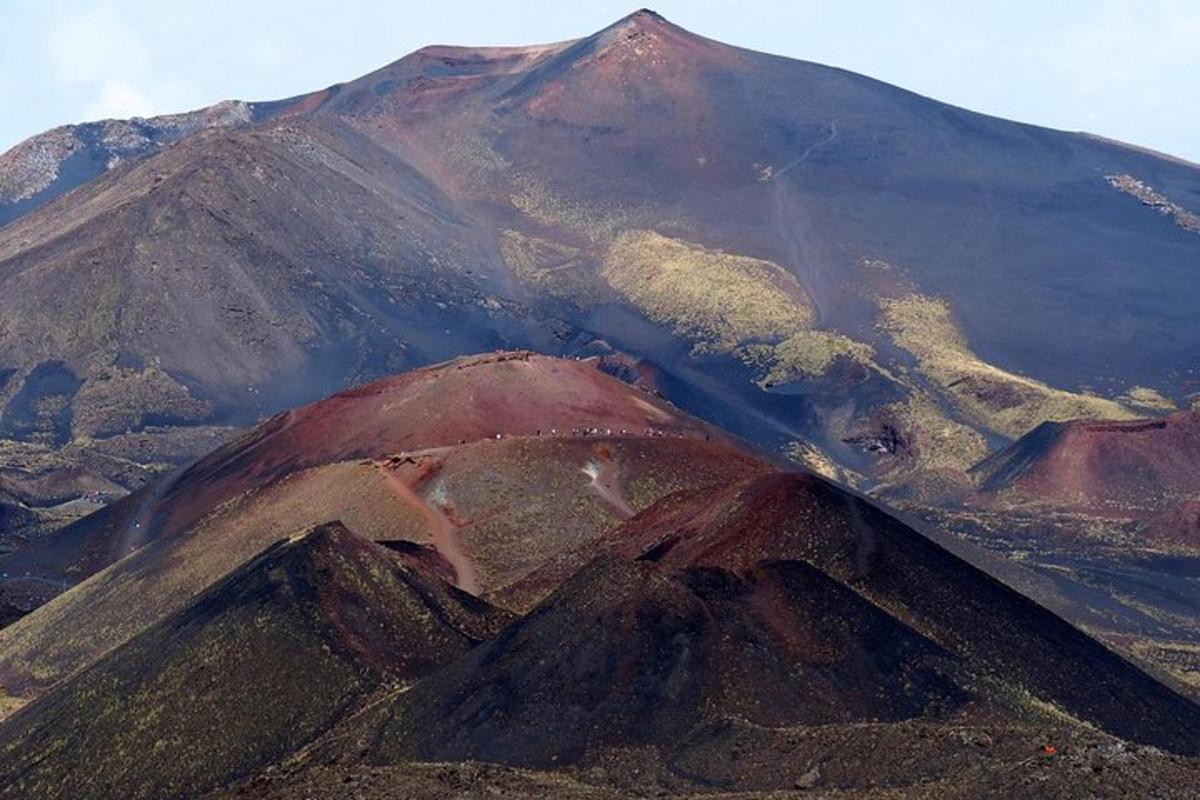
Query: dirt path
[140,527]
[833,133]
[606,481]
[787,218]
[444,532]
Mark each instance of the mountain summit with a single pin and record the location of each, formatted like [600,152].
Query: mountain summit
[883,286]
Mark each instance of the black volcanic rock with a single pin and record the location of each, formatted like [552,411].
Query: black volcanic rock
[647,659]
[972,615]
[781,602]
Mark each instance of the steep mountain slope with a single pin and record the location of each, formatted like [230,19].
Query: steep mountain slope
[775,634]
[780,601]
[806,254]
[250,670]
[693,619]
[53,163]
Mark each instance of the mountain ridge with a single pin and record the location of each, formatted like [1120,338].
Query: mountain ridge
[514,195]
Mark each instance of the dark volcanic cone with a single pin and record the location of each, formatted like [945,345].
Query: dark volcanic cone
[249,671]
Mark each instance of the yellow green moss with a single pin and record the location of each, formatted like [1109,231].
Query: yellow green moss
[557,269]
[815,460]
[597,221]
[1145,397]
[718,300]
[810,353]
[938,442]
[1002,401]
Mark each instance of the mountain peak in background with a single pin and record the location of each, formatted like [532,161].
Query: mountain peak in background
[849,258]
[520,277]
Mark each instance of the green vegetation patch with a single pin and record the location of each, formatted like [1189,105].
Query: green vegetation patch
[939,442]
[815,460]
[120,400]
[810,353]
[1002,401]
[1145,397]
[597,221]
[718,300]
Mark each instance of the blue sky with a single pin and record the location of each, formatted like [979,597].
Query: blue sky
[1129,70]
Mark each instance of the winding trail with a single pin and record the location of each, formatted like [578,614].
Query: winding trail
[441,528]
[787,221]
[812,148]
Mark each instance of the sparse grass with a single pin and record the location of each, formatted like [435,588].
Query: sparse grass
[558,270]
[1003,401]
[939,442]
[117,400]
[1054,711]
[728,304]
[1180,659]
[9,704]
[600,222]
[474,157]
[1145,397]
[810,353]
[814,459]
[718,300]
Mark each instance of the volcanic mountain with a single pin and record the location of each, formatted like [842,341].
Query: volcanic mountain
[780,601]
[804,254]
[762,637]
[542,566]
[646,596]
[493,467]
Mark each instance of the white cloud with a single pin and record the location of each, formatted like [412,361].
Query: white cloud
[118,99]
[109,66]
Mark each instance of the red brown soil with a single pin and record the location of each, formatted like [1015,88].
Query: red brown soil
[1179,524]
[1107,468]
[482,397]
[503,395]
[442,529]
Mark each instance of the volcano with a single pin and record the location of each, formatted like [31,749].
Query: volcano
[1115,467]
[803,254]
[334,617]
[518,416]
[640,602]
[495,468]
